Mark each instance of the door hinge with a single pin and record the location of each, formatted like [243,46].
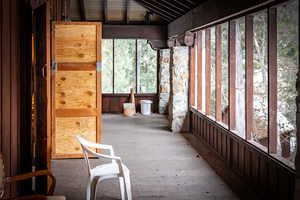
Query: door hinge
[99,66]
[44,71]
[54,66]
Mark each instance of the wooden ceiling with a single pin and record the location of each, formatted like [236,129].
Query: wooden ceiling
[130,11]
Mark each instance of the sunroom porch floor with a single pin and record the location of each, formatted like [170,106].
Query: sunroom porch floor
[163,165]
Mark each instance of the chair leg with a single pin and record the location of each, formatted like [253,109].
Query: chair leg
[122,189]
[128,185]
[91,189]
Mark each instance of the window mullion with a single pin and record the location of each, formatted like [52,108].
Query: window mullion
[272,77]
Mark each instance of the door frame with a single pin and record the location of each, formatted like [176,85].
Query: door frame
[43,104]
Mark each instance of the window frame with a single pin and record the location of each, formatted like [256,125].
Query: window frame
[201,67]
[135,68]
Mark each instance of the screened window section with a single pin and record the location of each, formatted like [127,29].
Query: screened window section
[128,63]
[107,70]
[246,77]
[124,65]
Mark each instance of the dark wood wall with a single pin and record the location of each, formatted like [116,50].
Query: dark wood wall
[269,178]
[113,103]
[13,68]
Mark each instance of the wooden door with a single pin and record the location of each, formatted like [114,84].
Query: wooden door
[76,86]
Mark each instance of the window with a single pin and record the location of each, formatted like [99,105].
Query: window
[107,71]
[287,68]
[249,70]
[127,64]
[240,88]
[213,72]
[146,67]
[260,78]
[224,74]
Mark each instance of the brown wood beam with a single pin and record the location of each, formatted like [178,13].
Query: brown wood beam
[190,2]
[125,12]
[160,12]
[249,76]
[272,79]
[66,9]
[104,11]
[82,9]
[232,75]
[199,70]
[168,8]
[203,15]
[218,72]
[174,6]
[151,32]
[192,76]
[207,71]
[182,4]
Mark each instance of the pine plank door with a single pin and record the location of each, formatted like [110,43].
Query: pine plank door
[76,86]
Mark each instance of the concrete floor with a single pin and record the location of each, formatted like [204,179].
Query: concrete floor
[163,165]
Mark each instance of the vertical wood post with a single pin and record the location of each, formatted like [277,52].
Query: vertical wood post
[199,70]
[232,74]
[218,72]
[192,76]
[249,76]
[297,160]
[207,71]
[272,79]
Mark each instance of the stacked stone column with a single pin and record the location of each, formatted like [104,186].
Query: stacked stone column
[179,79]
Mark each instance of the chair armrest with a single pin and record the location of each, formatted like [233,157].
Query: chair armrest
[103,155]
[96,145]
[31,175]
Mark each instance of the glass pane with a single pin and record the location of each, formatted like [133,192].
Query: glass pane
[287,63]
[260,78]
[224,100]
[240,77]
[107,66]
[124,65]
[147,68]
[213,72]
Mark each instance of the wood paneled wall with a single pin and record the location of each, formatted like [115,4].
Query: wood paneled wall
[113,103]
[13,67]
[269,178]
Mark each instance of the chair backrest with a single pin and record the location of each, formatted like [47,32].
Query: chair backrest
[2,176]
[84,145]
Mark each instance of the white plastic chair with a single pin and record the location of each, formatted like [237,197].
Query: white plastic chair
[114,169]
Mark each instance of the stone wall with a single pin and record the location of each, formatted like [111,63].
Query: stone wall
[179,78]
[164,81]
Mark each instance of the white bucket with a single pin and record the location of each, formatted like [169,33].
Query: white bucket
[146,107]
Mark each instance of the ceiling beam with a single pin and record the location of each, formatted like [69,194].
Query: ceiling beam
[125,10]
[104,11]
[223,11]
[191,2]
[157,6]
[179,8]
[153,32]
[159,13]
[182,4]
[166,7]
[82,10]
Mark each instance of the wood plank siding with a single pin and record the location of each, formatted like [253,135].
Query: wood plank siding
[14,102]
[113,103]
[267,177]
